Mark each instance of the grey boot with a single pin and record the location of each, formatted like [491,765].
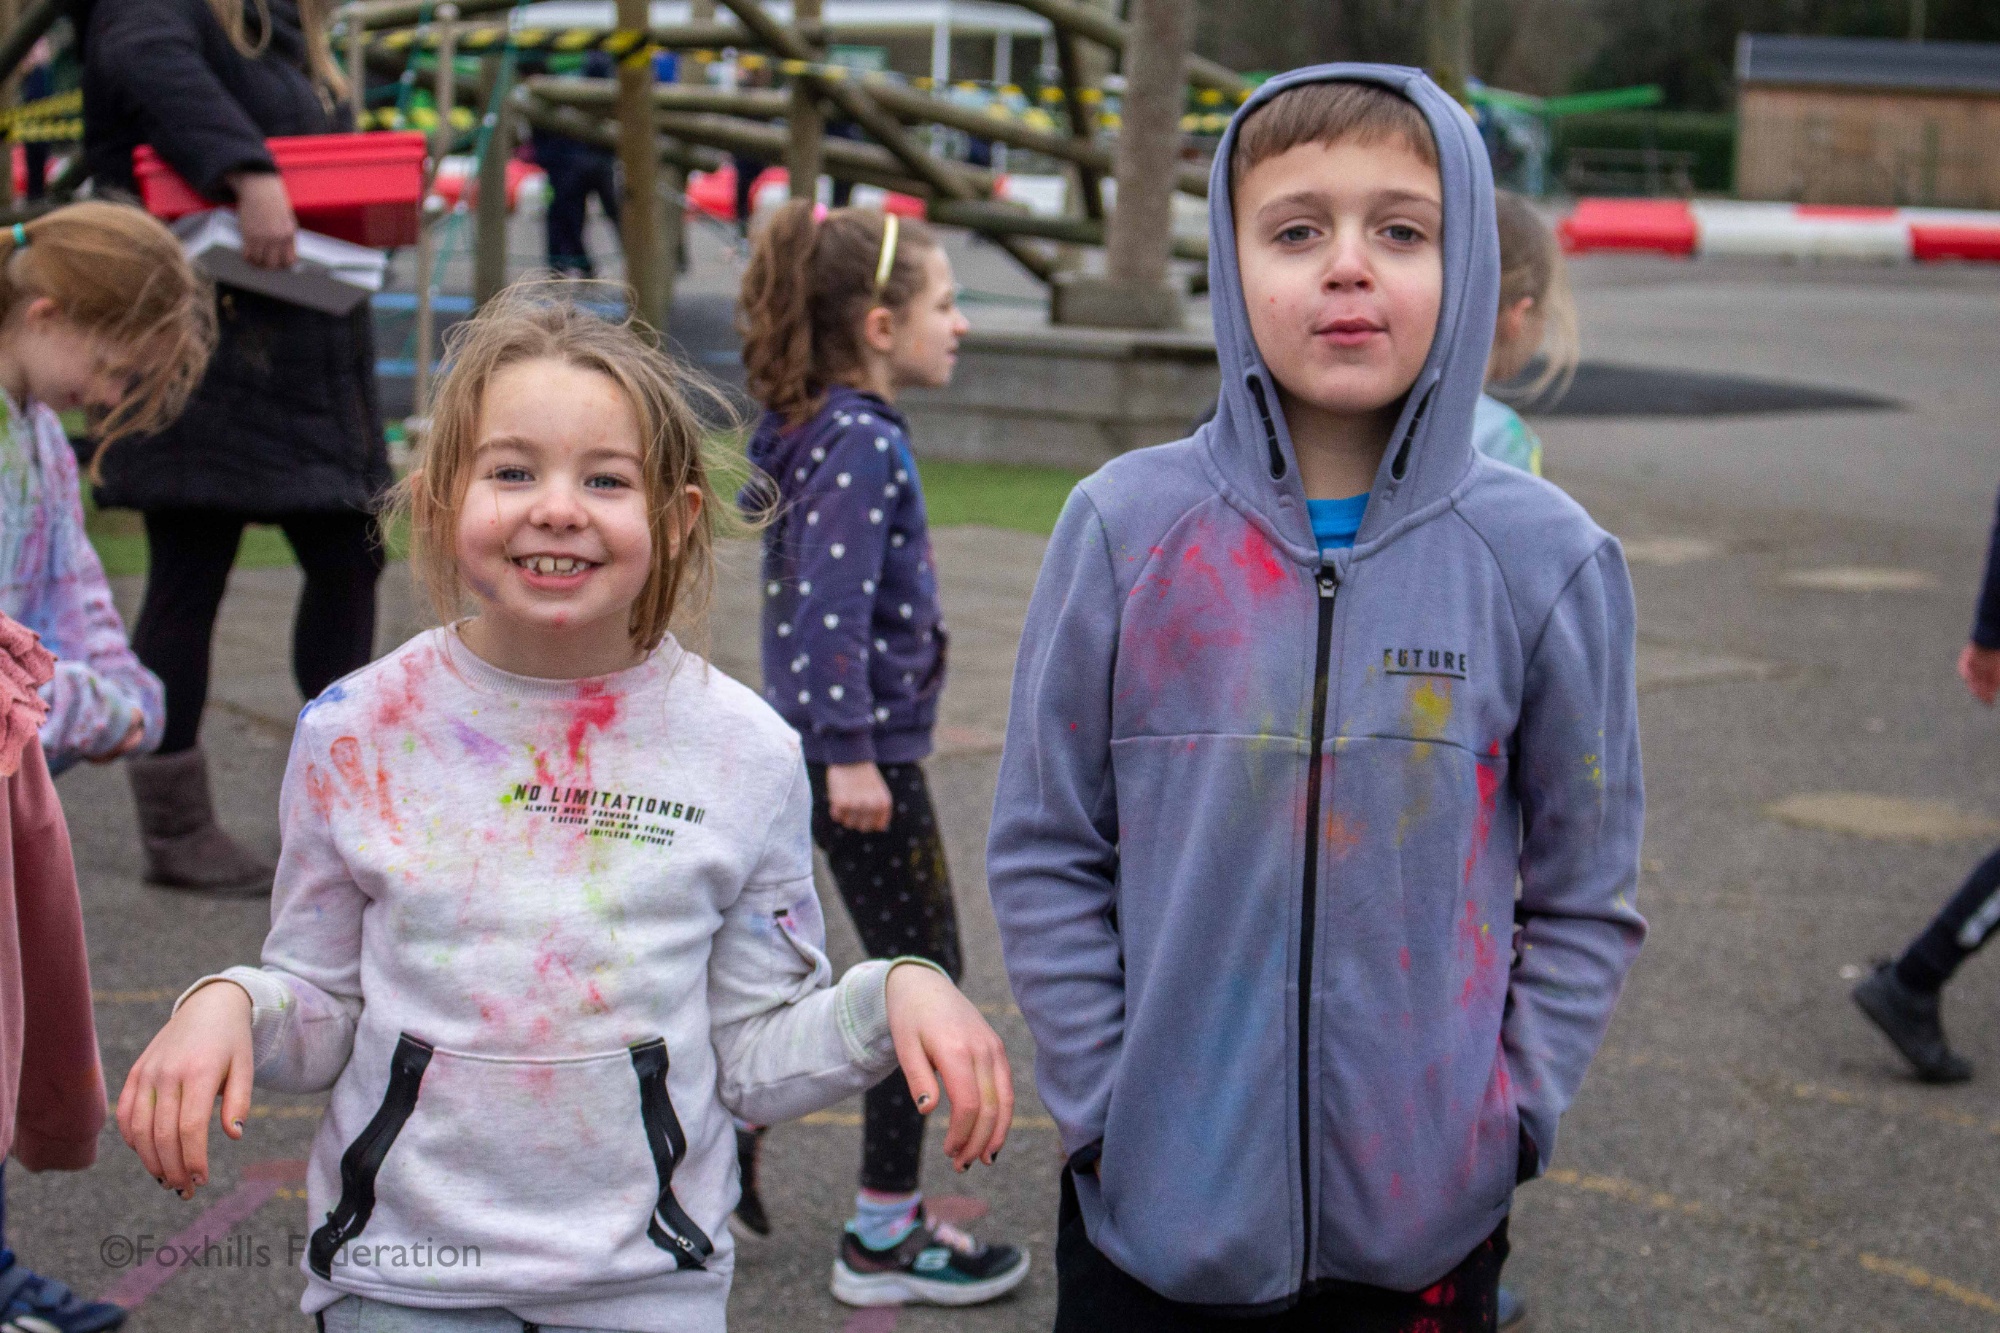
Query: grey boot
[185,847]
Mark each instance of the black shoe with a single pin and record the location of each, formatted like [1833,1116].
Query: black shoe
[750,1215]
[933,1264]
[1910,1019]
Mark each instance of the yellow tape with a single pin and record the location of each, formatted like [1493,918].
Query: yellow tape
[61,104]
[46,131]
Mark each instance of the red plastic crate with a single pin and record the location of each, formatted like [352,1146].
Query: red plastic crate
[364,188]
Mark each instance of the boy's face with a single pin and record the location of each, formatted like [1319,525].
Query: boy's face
[1340,251]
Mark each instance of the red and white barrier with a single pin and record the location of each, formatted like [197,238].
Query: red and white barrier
[1780,231]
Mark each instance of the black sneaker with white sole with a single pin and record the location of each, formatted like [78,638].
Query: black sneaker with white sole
[933,1264]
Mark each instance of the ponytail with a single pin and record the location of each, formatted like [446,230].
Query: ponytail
[806,290]
[775,315]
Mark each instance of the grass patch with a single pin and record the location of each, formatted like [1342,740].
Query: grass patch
[995,495]
[120,538]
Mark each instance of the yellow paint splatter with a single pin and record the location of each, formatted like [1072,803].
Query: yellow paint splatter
[1594,769]
[1429,711]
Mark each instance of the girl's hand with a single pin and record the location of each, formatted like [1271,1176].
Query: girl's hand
[939,1035]
[127,743]
[857,797]
[1979,668]
[163,1111]
[264,213]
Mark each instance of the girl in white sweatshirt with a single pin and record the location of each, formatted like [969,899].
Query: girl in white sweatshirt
[544,916]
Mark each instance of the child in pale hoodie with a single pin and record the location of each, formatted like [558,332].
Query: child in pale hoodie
[544,917]
[100,311]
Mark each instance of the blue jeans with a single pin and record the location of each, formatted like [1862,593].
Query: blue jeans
[357,1314]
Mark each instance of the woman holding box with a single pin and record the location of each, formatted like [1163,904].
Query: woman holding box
[285,429]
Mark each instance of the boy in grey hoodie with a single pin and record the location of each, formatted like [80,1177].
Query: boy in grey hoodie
[1299,701]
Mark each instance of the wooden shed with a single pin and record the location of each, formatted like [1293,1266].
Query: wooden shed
[1845,120]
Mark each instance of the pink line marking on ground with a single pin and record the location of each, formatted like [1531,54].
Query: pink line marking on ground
[261,1182]
[957,1209]
[875,1319]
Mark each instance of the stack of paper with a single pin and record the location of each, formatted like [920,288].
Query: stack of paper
[331,276]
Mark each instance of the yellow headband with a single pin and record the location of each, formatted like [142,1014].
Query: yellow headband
[887,262]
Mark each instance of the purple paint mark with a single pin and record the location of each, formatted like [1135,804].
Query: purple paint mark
[261,1181]
[478,744]
[875,1319]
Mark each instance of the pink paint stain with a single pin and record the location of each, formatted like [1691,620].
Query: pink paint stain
[592,708]
[1263,571]
[346,755]
[1488,777]
[1476,942]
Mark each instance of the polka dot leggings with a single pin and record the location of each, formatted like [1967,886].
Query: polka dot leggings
[898,891]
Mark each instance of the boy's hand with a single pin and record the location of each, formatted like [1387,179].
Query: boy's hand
[163,1111]
[857,797]
[939,1035]
[1979,668]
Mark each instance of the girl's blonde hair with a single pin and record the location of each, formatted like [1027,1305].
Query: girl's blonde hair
[118,275]
[315,19]
[1532,268]
[540,319]
[806,289]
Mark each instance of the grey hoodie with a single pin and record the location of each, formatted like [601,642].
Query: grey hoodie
[1260,818]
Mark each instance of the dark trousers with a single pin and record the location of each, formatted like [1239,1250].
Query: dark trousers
[1094,1295]
[898,890]
[572,181]
[190,553]
[1956,932]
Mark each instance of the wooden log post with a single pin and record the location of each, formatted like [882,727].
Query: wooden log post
[489,253]
[427,230]
[806,121]
[1449,39]
[1135,291]
[639,210]
[357,63]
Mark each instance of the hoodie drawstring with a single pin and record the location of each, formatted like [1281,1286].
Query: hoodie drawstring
[1402,463]
[1270,427]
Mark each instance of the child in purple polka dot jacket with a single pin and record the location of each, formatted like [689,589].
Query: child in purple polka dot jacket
[838,314]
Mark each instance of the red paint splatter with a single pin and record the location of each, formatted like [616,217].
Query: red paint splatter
[1263,571]
[1488,777]
[1444,1293]
[1340,835]
[399,701]
[1403,957]
[592,708]
[346,754]
[1476,942]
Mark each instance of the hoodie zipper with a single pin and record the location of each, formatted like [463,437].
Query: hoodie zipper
[1329,592]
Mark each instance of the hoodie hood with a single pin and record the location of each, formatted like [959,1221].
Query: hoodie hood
[1431,446]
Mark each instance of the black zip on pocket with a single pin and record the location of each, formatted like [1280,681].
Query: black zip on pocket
[363,1158]
[1329,590]
[670,1228]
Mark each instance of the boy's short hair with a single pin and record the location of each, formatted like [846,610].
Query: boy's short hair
[1326,113]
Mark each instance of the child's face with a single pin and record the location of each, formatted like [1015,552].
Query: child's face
[553,540]
[923,336]
[1339,248]
[66,367]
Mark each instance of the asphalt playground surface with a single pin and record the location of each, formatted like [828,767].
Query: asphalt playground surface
[1746,1154]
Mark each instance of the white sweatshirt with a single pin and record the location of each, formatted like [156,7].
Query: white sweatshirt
[498,896]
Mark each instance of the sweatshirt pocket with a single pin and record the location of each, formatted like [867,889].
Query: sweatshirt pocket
[469,1174]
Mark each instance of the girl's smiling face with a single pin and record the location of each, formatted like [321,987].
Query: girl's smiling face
[553,536]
